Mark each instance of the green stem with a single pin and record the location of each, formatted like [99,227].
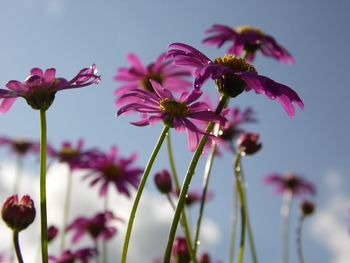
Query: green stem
[183,221]
[299,246]
[242,199]
[17,247]
[140,189]
[187,181]
[285,216]
[18,174]
[233,227]
[43,211]
[207,172]
[66,208]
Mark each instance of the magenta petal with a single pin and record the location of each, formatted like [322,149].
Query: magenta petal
[37,72]
[16,86]
[6,104]
[136,63]
[49,75]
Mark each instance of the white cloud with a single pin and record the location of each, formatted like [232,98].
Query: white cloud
[150,229]
[331,222]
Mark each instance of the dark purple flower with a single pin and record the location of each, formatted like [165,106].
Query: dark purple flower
[81,255]
[195,196]
[248,143]
[163,182]
[18,215]
[248,39]
[233,75]
[181,253]
[97,227]
[52,232]
[20,147]
[39,89]
[137,76]
[182,114]
[74,156]
[307,208]
[110,168]
[292,183]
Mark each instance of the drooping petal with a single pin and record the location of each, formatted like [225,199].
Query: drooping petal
[16,86]
[6,104]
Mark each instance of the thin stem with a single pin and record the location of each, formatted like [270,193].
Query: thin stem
[187,181]
[17,247]
[285,217]
[240,191]
[207,172]
[66,208]
[234,226]
[104,242]
[97,249]
[43,210]
[18,174]
[183,221]
[299,246]
[140,189]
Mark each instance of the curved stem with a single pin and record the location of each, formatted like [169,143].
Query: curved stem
[299,246]
[207,172]
[43,210]
[183,221]
[66,208]
[240,191]
[187,181]
[285,216]
[139,191]
[233,227]
[17,247]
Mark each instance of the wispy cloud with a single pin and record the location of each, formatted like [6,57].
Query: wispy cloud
[331,222]
[150,230]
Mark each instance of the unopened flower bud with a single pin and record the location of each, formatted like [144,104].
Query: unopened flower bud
[248,143]
[307,208]
[52,232]
[180,251]
[163,182]
[204,258]
[18,215]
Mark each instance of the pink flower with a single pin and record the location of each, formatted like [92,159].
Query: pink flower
[137,76]
[97,227]
[248,143]
[18,215]
[292,183]
[39,89]
[20,147]
[74,156]
[81,255]
[109,168]
[233,75]
[248,39]
[52,232]
[182,114]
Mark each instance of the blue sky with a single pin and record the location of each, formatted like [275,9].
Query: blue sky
[70,35]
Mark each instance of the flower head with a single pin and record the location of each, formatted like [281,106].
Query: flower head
[137,76]
[20,147]
[180,251]
[74,156]
[307,208]
[18,215]
[97,227]
[182,114]
[248,39]
[233,75]
[110,168]
[81,255]
[248,143]
[292,183]
[39,89]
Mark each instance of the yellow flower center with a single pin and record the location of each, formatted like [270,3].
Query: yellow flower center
[146,84]
[236,63]
[111,172]
[243,29]
[174,109]
[67,153]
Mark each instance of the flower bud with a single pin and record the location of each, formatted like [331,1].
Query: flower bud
[205,258]
[52,232]
[18,215]
[180,251]
[163,182]
[307,208]
[248,143]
